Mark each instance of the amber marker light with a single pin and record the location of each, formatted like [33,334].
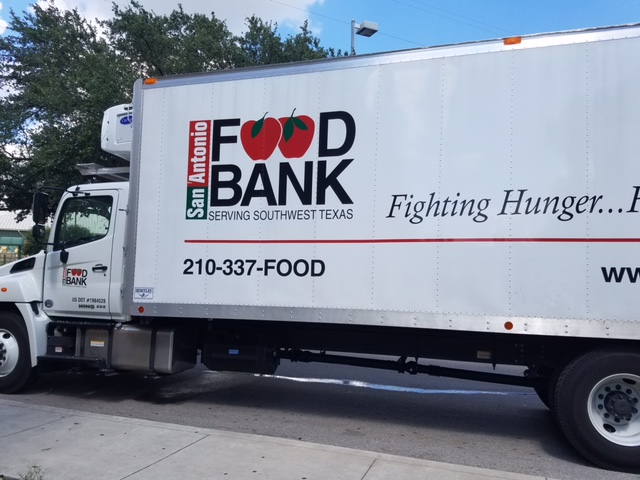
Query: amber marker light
[513,40]
[508,325]
[150,81]
[140,309]
[4,289]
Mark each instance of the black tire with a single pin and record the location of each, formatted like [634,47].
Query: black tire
[16,372]
[596,402]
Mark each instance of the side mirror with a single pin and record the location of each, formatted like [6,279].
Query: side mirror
[40,210]
[38,232]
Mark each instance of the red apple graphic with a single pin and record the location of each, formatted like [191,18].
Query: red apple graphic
[260,138]
[297,135]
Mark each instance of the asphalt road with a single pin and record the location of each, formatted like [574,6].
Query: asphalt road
[454,421]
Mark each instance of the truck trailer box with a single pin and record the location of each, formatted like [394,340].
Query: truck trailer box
[484,187]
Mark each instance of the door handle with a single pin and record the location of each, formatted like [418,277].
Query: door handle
[99,268]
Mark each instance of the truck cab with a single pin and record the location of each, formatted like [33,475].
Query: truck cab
[85,255]
[77,276]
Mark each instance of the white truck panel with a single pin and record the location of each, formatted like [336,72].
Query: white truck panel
[485,184]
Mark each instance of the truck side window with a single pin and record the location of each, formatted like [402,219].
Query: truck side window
[83,220]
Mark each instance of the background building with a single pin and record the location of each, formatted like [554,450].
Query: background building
[12,235]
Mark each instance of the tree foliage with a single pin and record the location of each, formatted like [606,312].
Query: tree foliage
[171,44]
[261,45]
[61,72]
[60,75]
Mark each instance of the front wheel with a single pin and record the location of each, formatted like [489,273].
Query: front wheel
[16,371]
[597,402]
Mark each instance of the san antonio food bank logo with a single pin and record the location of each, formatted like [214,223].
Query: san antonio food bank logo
[214,182]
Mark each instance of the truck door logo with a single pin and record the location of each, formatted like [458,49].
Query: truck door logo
[74,277]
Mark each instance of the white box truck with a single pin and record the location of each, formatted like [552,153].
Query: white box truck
[477,202]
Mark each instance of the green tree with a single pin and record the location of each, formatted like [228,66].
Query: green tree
[61,76]
[171,44]
[262,45]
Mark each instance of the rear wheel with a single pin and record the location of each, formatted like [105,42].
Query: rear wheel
[597,402]
[16,371]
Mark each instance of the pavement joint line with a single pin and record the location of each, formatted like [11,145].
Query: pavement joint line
[165,457]
[34,428]
[369,469]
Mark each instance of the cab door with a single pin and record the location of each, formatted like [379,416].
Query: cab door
[78,265]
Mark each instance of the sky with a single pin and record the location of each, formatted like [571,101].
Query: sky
[402,24]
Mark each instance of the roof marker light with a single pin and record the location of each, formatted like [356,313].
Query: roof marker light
[513,40]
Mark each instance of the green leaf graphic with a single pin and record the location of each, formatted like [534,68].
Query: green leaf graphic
[257,128]
[300,124]
[288,130]
[290,126]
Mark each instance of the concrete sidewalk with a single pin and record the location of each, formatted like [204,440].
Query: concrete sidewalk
[69,445]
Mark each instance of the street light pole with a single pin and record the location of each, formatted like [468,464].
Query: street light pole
[366,29]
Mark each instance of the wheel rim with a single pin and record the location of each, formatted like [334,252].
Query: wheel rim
[9,351]
[613,409]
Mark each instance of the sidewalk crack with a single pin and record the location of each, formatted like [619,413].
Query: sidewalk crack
[369,469]
[164,458]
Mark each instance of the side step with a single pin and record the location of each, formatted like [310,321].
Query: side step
[50,363]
